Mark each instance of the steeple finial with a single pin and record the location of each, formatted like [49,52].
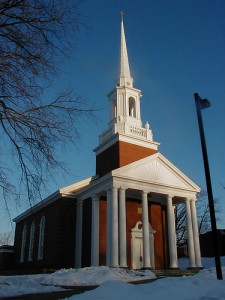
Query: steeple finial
[121,14]
[124,76]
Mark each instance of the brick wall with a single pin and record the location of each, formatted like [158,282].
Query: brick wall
[119,155]
[59,245]
[157,215]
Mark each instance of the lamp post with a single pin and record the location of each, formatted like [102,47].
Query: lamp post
[201,104]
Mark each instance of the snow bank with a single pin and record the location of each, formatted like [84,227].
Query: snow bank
[44,283]
[11,286]
[113,284]
[185,288]
[93,276]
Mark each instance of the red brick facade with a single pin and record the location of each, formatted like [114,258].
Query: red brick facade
[158,220]
[157,216]
[118,155]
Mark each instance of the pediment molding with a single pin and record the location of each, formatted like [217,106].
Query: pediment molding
[158,170]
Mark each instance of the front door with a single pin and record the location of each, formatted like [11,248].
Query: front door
[137,259]
[137,246]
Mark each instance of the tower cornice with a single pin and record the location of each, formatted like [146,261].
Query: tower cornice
[113,91]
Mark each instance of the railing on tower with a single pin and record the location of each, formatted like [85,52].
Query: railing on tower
[127,129]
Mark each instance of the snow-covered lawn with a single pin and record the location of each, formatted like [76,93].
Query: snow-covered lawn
[113,284]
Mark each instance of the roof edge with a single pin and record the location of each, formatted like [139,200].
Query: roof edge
[63,192]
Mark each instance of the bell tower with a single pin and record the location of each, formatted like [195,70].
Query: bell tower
[125,99]
[125,140]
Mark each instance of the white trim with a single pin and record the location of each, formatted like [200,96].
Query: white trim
[77,186]
[41,238]
[171,167]
[31,243]
[137,234]
[130,139]
[63,192]
[118,178]
[139,141]
[122,228]
[23,244]
[93,185]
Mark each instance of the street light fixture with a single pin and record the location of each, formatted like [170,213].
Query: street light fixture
[201,104]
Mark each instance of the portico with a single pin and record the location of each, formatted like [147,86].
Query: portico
[120,190]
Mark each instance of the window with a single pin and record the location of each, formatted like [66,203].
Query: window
[23,244]
[132,109]
[31,245]
[41,238]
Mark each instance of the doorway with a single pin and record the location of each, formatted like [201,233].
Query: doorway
[137,246]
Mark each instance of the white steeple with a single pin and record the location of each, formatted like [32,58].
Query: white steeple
[124,76]
[125,113]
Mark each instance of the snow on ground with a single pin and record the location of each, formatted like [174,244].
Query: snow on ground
[94,276]
[113,284]
[11,286]
[188,288]
[30,284]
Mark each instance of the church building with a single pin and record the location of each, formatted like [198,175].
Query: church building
[123,216]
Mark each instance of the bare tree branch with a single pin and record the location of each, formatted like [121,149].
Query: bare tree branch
[204,223]
[6,238]
[35,35]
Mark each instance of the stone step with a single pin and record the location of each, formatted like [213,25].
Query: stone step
[175,272]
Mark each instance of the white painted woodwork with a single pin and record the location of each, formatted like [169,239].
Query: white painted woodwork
[108,228]
[122,228]
[190,240]
[137,246]
[114,228]
[171,233]
[198,259]
[145,228]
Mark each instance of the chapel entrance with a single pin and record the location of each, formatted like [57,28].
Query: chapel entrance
[137,246]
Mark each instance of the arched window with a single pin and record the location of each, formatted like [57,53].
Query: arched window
[132,108]
[31,245]
[41,238]
[23,244]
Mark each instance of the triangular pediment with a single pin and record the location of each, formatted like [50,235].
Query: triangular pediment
[156,169]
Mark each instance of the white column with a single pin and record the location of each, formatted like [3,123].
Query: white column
[95,232]
[122,228]
[171,233]
[198,259]
[145,231]
[114,228]
[108,229]
[78,238]
[190,240]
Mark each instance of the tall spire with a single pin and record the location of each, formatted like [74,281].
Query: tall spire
[124,77]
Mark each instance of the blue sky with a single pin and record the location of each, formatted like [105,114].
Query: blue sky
[175,48]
